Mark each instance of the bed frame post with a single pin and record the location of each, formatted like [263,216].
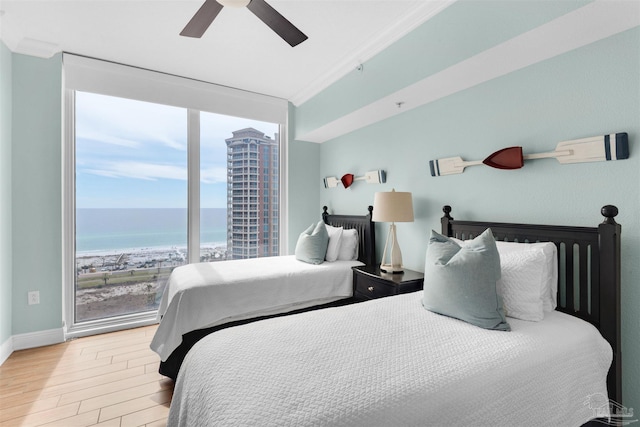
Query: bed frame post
[446,221]
[609,236]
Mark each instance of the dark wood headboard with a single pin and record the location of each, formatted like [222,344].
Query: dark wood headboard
[588,271]
[364,226]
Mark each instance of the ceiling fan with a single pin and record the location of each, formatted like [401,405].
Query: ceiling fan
[278,23]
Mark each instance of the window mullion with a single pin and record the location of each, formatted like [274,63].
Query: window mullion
[68,217]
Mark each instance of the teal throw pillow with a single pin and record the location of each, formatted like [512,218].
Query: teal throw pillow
[460,282]
[312,244]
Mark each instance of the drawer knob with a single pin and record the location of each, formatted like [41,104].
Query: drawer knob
[370,288]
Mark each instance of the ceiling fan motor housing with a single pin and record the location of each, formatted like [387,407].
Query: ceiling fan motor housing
[234,3]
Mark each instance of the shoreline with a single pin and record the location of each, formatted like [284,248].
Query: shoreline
[88,262]
[118,251]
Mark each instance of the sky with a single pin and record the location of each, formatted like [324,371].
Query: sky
[133,154]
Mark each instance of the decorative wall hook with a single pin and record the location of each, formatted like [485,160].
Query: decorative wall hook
[593,149]
[372,177]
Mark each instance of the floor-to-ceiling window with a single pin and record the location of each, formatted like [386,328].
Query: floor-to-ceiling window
[155,186]
[131,203]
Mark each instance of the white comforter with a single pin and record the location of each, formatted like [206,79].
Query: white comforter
[202,295]
[389,362]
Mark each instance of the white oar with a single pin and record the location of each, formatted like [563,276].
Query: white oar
[331,182]
[450,165]
[593,149]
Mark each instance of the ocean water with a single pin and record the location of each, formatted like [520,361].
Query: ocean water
[102,229]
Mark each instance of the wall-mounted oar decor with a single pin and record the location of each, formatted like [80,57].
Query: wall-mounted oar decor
[594,149]
[373,177]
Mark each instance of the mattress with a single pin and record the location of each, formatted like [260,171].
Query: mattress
[203,295]
[390,362]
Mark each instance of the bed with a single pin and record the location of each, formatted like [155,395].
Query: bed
[391,362]
[205,297]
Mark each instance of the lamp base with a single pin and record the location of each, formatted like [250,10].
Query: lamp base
[393,265]
[388,268]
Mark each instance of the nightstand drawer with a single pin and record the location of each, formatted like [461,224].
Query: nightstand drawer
[373,289]
[370,283]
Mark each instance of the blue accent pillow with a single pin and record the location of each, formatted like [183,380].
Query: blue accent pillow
[312,244]
[460,282]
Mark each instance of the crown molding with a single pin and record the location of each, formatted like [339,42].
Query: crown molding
[38,48]
[30,47]
[412,19]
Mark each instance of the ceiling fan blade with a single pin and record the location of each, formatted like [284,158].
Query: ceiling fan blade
[277,22]
[202,19]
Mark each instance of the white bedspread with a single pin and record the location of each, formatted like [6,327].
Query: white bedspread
[202,295]
[389,362]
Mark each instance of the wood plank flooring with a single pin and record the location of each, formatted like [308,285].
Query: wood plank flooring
[104,380]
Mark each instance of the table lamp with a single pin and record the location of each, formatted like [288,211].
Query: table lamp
[392,206]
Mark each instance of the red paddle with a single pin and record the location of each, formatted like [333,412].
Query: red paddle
[347,179]
[507,158]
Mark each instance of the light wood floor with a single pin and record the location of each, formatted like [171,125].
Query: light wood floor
[106,380]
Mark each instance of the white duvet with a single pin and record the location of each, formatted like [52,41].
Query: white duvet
[203,295]
[389,362]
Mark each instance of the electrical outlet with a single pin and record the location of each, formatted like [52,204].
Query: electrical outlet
[34,297]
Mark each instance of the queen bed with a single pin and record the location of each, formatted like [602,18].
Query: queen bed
[205,297]
[391,362]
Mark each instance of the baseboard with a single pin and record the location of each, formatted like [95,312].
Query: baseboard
[6,349]
[38,339]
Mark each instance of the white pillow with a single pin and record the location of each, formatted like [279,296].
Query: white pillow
[521,284]
[335,236]
[549,293]
[549,290]
[348,245]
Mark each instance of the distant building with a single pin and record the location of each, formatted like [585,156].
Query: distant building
[252,195]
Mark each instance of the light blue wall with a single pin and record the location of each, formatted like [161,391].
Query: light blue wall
[36,201]
[428,49]
[36,192]
[304,168]
[5,193]
[591,91]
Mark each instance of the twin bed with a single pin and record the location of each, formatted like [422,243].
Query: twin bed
[391,362]
[202,298]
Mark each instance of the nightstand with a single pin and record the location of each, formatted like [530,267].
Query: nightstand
[370,283]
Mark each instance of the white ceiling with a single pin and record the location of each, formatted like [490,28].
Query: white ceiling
[238,50]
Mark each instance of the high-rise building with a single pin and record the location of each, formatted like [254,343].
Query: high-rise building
[252,194]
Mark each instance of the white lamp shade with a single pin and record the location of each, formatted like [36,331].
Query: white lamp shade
[392,206]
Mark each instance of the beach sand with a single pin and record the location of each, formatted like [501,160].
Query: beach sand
[113,284]
[115,300]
